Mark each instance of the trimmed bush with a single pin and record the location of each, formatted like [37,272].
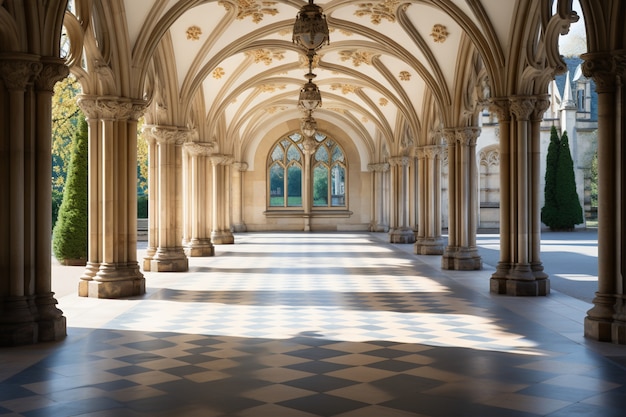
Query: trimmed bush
[69,237]
[550,210]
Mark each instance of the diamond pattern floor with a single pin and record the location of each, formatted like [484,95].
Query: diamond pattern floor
[313,324]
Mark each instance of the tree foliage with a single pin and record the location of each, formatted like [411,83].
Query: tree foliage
[562,209]
[65,116]
[69,237]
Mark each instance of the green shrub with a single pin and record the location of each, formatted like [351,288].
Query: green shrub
[550,210]
[142,207]
[69,237]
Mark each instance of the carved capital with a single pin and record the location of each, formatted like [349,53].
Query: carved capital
[240,166]
[431,151]
[399,161]
[522,107]
[449,137]
[501,107]
[541,105]
[380,167]
[467,136]
[51,73]
[20,72]
[201,148]
[221,159]
[110,108]
[167,135]
[603,68]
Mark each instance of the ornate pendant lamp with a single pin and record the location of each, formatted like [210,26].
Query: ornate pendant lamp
[308,126]
[310,30]
[310,97]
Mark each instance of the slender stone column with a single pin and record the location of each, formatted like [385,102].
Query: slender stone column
[429,240]
[461,252]
[112,270]
[606,321]
[220,233]
[401,233]
[169,255]
[309,146]
[378,223]
[198,242]
[238,169]
[520,271]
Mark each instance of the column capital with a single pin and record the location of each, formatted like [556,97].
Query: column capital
[501,106]
[378,167]
[110,107]
[167,135]
[429,151]
[53,70]
[542,102]
[467,135]
[201,148]
[19,70]
[240,166]
[399,161]
[221,159]
[604,68]
[522,106]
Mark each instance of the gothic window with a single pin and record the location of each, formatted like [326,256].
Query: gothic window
[285,171]
[285,167]
[329,174]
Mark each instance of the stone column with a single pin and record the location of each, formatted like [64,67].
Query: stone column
[238,169]
[461,252]
[606,321]
[378,223]
[520,271]
[169,255]
[309,146]
[198,241]
[429,240]
[112,270]
[28,312]
[401,233]
[220,233]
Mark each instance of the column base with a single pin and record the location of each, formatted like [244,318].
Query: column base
[606,320]
[377,227]
[240,228]
[461,259]
[169,260]
[402,235]
[148,258]
[519,280]
[17,324]
[429,246]
[113,281]
[222,237]
[52,324]
[199,248]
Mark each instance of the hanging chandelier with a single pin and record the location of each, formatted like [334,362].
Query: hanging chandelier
[310,30]
[310,96]
[308,126]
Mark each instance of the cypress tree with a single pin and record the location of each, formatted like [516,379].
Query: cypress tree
[69,237]
[550,210]
[570,210]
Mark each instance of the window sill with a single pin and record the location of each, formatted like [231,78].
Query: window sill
[314,213]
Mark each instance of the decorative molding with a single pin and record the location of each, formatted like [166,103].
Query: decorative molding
[489,156]
[270,88]
[266,56]
[399,161]
[378,11]
[252,8]
[379,167]
[240,166]
[358,57]
[201,148]
[439,33]
[275,109]
[383,101]
[50,74]
[522,107]
[18,73]
[167,135]
[193,33]
[404,76]
[304,61]
[111,108]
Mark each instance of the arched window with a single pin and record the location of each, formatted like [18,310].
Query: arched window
[285,173]
[329,174]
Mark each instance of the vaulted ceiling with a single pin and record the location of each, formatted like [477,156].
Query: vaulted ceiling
[392,71]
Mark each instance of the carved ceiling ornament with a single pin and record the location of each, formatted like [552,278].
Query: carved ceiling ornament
[266,56]
[358,57]
[383,101]
[193,33]
[304,61]
[253,8]
[270,88]
[218,73]
[344,88]
[440,33]
[275,109]
[378,11]
[404,76]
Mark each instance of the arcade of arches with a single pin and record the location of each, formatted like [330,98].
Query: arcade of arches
[217,82]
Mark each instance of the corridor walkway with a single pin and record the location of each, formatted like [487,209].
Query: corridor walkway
[317,324]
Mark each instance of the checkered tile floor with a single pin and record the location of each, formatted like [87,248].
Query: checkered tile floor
[313,324]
